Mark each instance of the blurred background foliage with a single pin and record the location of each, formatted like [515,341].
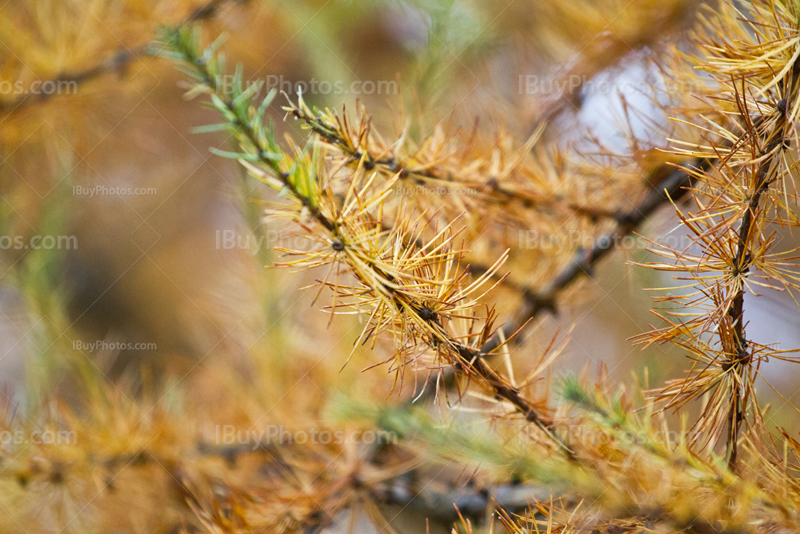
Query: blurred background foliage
[237,342]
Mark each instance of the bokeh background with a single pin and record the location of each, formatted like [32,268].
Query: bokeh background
[154,294]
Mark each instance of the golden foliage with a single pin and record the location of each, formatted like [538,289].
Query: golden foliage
[399,261]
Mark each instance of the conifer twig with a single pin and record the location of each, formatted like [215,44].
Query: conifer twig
[751,54]
[673,187]
[334,131]
[393,291]
[776,143]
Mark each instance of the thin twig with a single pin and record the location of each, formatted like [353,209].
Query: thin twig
[740,357]
[673,187]
[392,165]
[469,358]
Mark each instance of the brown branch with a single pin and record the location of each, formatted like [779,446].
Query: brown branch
[673,187]
[472,502]
[113,63]
[534,302]
[475,503]
[391,165]
[460,355]
[740,357]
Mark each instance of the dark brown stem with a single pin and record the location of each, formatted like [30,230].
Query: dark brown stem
[475,363]
[674,186]
[494,190]
[474,503]
[469,358]
[473,360]
[740,357]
